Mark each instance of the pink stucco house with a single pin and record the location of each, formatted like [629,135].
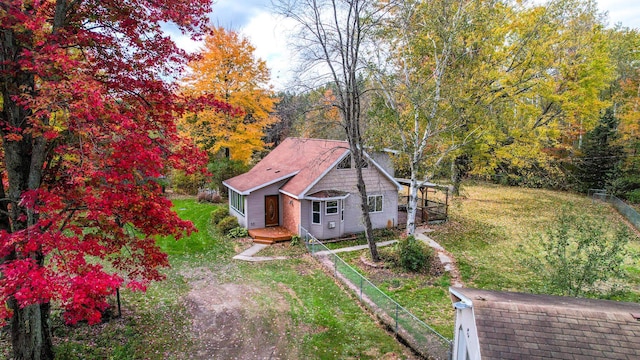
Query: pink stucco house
[311,183]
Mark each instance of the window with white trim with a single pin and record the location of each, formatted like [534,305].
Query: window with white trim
[315,212]
[236,201]
[331,207]
[342,210]
[375,203]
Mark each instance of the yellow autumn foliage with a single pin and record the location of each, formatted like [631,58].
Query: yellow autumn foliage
[228,70]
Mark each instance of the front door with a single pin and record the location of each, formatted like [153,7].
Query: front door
[271,213]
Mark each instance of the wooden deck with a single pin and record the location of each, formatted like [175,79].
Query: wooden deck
[270,235]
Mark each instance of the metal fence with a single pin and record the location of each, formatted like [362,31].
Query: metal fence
[627,211]
[419,336]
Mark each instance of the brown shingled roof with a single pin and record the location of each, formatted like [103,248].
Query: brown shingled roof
[528,326]
[302,161]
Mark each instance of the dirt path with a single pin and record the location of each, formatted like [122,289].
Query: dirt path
[233,321]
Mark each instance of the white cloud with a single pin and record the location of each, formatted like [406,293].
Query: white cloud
[622,11]
[268,34]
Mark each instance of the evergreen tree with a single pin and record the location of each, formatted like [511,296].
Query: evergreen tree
[599,163]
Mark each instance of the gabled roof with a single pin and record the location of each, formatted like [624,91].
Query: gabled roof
[523,326]
[302,161]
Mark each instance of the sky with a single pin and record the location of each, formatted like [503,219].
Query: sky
[267,31]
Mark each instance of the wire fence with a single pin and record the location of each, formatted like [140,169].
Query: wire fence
[414,332]
[627,211]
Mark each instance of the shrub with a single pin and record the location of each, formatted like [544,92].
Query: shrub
[211,196]
[238,232]
[578,254]
[633,196]
[187,184]
[295,240]
[219,214]
[414,255]
[225,225]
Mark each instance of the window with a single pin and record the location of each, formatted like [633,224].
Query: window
[342,210]
[345,163]
[332,207]
[315,212]
[236,201]
[375,203]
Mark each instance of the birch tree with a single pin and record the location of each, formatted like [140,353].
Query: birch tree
[415,84]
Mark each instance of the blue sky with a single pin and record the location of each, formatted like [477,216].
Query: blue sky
[267,32]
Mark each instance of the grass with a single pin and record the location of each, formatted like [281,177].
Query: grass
[485,234]
[487,230]
[424,296]
[321,321]
[491,224]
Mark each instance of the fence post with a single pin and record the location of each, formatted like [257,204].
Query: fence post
[361,281]
[397,318]
[335,265]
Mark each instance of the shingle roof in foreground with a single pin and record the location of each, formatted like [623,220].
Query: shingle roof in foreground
[527,326]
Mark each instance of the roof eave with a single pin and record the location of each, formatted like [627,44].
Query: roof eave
[313,198]
[249,191]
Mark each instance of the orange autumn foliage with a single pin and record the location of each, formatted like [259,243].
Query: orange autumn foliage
[228,70]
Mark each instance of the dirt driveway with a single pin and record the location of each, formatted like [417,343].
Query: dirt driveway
[237,321]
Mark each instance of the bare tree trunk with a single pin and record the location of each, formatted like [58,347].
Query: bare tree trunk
[364,203]
[332,33]
[24,158]
[456,178]
[30,332]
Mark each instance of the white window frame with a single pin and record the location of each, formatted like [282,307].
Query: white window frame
[333,207]
[236,201]
[319,212]
[378,202]
[342,210]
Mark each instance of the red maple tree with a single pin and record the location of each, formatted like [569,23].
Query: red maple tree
[87,127]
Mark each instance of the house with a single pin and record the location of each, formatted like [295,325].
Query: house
[311,183]
[507,325]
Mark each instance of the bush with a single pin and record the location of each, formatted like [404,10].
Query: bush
[238,232]
[211,196]
[579,254]
[414,255]
[295,240]
[390,255]
[225,225]
[219,214]
[187,184]
[633,196]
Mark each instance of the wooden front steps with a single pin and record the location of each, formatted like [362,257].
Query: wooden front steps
[270,235]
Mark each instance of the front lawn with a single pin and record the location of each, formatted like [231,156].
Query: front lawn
[211,305]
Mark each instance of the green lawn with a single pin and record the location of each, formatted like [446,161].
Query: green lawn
[488,227]
[317,318]
[491,224]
